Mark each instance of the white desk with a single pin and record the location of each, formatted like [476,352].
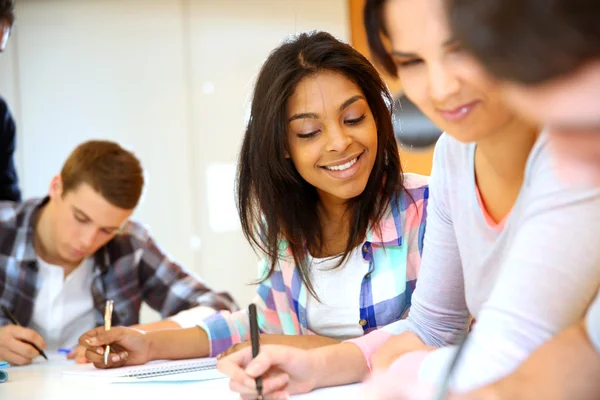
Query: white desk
[45,381]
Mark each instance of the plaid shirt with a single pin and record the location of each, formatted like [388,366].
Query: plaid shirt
[385,293]
[129,269]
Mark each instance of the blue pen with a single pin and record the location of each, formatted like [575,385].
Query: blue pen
[64,351]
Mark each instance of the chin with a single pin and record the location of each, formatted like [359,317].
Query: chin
[467,136]
[351,193]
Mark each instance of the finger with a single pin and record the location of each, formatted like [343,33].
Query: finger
[103,338]
[28,335]
[15,359]
[85,338]
[114,360]
[94,357]
[269,357]
[243,390]
[81,359]
[275,382]
[23,349]
[78,355]
[280,395]
[233,367]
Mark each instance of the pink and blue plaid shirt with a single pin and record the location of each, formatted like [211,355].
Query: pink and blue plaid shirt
[386,289]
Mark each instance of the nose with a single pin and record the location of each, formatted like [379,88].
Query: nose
[87,238]
[443,83]
[337,138]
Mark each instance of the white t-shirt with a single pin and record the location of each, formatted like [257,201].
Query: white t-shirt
[63,307]
[337,315]
[593,322]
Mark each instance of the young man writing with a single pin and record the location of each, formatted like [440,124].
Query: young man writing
[63,256]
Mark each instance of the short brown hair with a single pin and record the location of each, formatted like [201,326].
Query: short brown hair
[528,41]
[7,11]
[112,171]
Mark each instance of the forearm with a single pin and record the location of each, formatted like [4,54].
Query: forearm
[338,365]
[564,368]
[171,344]
[305,342]
[158,325]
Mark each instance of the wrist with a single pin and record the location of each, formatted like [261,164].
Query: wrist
[154,346]
[317,361]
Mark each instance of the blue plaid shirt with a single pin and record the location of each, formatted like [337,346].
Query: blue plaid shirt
[129,269]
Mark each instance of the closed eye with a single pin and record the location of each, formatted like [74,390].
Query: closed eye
[355,120]
[81,219]
[307,135]
[408,63]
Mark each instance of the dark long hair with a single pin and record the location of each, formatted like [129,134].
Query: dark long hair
[274,202]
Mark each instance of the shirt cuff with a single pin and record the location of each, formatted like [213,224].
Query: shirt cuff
[370,343]
[190,318]
[409,365]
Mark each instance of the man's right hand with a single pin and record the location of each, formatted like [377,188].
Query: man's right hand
[15,347]
[127,346]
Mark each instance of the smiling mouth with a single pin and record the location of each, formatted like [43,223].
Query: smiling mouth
[345,166]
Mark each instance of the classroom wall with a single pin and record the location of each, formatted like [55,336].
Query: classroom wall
[170,80]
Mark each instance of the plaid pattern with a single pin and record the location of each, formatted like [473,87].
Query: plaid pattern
[386,290]
[129,269]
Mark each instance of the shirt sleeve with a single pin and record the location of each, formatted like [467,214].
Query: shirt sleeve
[189,318]
[9,188]
[438,313]
[273,311]
[592,323]
[547,279]
[169,288]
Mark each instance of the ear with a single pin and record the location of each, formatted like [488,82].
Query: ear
[56,187]
[287,155]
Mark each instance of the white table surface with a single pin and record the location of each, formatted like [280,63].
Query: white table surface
[44,380]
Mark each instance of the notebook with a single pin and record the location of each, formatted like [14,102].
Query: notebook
[196,369]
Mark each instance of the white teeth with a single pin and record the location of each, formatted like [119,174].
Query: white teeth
[342,167]
[464,110]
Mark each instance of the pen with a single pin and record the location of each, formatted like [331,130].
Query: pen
[254,338]
[445,386]
[108,310]
[12,318]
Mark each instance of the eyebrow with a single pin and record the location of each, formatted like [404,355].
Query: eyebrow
[401,54]
[344,105]
[107,228]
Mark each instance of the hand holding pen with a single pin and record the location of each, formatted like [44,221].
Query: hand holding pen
[19,345]
[255,339]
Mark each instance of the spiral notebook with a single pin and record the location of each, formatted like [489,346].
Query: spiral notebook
[196,369]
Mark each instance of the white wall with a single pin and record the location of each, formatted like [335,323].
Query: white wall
[168,79]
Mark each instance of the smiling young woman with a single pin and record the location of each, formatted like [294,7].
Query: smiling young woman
[322,196]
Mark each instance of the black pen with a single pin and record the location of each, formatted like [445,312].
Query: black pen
[254,338]
[12,318]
